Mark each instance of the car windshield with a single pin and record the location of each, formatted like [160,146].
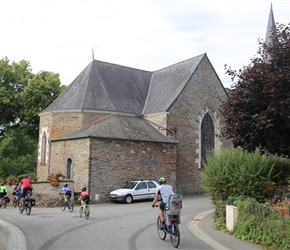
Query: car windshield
[130,185]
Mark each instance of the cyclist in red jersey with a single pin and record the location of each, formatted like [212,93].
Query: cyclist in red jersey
[27,185]
[84,196]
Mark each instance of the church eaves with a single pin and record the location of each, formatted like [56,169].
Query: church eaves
[118,127]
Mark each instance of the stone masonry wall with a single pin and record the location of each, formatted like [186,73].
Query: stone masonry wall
[56,124]
[44,193]
[114,162]
[78,152]
[202,94]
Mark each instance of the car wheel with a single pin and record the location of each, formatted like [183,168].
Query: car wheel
[128,199]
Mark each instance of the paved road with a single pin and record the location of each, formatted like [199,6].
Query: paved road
[110,226]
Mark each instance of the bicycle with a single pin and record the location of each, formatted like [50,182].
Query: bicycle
[84,209]
[66,203]
[27,204]
[171,215]
[16,200]
[3,202]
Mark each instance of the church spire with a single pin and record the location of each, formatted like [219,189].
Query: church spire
[271,27]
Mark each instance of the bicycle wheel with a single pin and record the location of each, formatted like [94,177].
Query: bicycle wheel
[3,203]
[14,202]
[161,232]
[81,211]
[62,205]
[21,209]
[175,235]
[71,206]
[87,212]
[18,202]
[28,207]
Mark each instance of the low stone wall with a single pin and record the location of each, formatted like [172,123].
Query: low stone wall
[44,193]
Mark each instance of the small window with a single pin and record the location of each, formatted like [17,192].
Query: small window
[69,169]
[43,148]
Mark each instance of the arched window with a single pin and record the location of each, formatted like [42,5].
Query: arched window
[69,169]
[43,148]
[207,136]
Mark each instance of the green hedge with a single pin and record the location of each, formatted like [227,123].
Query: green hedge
[235,172]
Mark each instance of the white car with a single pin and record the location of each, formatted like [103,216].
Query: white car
[135,190]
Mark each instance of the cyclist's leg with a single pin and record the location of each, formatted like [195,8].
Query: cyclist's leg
[161,211]
[23,197]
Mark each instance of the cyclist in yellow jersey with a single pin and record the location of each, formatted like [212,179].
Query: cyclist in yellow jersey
[3,192]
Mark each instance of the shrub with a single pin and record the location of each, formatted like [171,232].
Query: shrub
[235,172]
[260,223]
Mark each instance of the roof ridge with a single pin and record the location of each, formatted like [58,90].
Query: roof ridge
[123,66]
[203,54]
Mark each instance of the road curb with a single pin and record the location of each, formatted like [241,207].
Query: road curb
[193,226]
[16,238]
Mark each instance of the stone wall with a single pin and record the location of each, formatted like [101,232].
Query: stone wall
[56,124]
[44,193]
[203,94]
[113,162]
[79,152]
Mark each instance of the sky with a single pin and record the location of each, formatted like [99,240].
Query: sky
[63,36]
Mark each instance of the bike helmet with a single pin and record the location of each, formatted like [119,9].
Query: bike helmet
[162,180]
[84,189]
[65,185]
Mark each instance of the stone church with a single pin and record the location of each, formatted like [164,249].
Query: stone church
[114,124]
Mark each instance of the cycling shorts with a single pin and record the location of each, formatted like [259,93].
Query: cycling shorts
[25,191]
[162,205]
[2,194]
[86,199]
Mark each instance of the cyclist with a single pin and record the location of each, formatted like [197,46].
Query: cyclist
[164,191]
[27,186]
[3,192]
[66,191]
[17,191]
[84,196]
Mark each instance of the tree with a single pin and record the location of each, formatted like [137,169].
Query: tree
[41,91]
[257,112]
[23,95]
[18,153]
[14,78]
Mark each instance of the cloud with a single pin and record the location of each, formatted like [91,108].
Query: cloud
[59,36]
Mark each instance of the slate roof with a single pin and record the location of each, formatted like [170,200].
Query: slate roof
[119,127]
[109,87]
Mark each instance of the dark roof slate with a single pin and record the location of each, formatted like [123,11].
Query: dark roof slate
[119,127]
[109,87]
[167,84]
[105,87]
